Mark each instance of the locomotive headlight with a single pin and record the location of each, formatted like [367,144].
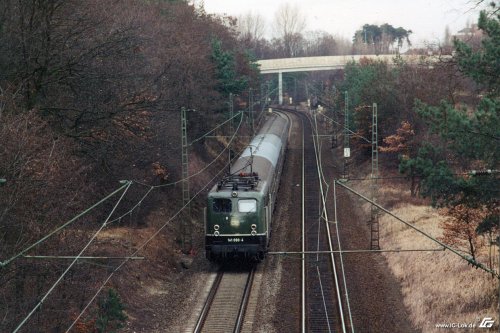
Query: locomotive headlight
[216,227]
[235,222]
[254,229]
[216,233]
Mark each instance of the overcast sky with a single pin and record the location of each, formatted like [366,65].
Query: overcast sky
[426,18]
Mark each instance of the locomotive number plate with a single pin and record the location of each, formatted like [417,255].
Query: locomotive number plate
[235,240]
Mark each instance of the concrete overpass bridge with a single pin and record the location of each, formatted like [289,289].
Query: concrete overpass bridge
[308,64]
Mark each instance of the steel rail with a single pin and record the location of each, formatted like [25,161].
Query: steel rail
[327,242]
[208,302]
[244,302]
[325,212]
[303,238]
[306,269]
[222,288]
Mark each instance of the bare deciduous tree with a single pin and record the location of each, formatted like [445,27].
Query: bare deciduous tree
[251,26]
[90,92]
[289,24]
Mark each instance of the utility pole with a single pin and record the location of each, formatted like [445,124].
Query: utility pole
[250,109]
[294,89]
[231,115]
[262,94]
[347,149]
[280,88]
[307,95]
[185,234]
[374,225]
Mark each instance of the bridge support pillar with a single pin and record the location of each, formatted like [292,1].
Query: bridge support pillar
[280,88]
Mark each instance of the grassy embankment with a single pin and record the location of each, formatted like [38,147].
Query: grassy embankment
[438,287]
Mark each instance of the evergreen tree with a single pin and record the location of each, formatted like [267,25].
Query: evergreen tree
[229,80]
[471,138]
[111,316]
[382,37]
[369,82]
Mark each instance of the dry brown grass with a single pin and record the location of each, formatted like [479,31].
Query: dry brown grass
[438,287]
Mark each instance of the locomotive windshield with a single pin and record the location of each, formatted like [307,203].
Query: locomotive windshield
[222,206]
[247,206]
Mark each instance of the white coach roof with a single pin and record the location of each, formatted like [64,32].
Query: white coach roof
[267,146]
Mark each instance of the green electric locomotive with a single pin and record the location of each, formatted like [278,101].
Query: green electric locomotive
[239,207]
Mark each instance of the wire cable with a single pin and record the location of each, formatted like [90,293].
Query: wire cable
[324,300]
[127,186]
[153,187]
[336,122]
[151,237]
[341,256]
[134,207]
[469,259]
[336,220]
[208,165]
[350,131]
[213,129]
[8,261]
[332,258]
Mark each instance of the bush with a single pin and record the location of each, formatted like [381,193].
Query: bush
[111,316]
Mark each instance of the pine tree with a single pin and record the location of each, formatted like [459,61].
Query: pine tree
[471,137]
[111,316]
[229,80]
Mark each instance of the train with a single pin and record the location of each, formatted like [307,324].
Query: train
[240,206]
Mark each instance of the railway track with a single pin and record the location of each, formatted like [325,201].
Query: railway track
[224,309]
[322,309]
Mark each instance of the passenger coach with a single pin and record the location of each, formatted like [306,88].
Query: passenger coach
[239,207]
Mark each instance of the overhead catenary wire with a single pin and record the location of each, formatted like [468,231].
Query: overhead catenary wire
[194,174]
[342,125]
[319,171]
[153,187]
[124,187]
[41,240]
[322,176]
[80,257]
[87,210]
[469,259]
[341,256]
[140,247]
[260,117]
[311,225]
[361,251]
[475,173]
[21,324]
[133,207]
[350,131]
[214,129]
[323,298]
